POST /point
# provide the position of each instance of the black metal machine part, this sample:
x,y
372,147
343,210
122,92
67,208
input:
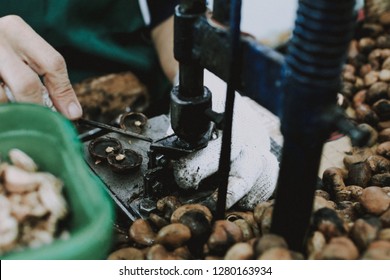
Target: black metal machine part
x,y
128,189
136,192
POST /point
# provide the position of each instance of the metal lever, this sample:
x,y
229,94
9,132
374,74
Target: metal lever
x,y
335,119
114,129
359,136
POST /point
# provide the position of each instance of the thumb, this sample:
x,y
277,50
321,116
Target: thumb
x,y
264,183
62,93
190,170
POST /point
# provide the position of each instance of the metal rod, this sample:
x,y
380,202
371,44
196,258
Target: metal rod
x,y
91,134
224,161
190,72
221,11
114,129
190,79
193,6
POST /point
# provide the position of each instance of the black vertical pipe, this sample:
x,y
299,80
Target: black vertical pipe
x,y
224,161
323,30
190,72
192,6
190,99
190,79
221,11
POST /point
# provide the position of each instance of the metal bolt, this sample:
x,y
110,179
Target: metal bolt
x,y
147,205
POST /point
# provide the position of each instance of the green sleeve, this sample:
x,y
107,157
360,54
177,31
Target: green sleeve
x,y
95,37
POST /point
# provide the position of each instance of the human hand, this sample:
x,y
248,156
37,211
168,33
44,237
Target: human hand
x,y
24,58
254,169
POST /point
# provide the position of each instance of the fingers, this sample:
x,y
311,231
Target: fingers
x,y
244,172
190,170
23,82
3,96
261,184
22,63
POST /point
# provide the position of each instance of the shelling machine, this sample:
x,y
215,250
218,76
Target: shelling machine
x,y
299,86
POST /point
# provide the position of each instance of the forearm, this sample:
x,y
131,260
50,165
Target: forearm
x,y
162,36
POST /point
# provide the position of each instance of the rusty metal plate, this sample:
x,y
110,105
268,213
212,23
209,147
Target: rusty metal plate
x,y
125,188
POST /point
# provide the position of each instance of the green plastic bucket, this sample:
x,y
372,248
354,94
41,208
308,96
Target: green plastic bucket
x,y
51,140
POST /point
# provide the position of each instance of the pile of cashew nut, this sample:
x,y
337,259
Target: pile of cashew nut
x,y
354,226
31,204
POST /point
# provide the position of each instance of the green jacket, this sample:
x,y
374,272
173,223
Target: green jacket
x,y
96,37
